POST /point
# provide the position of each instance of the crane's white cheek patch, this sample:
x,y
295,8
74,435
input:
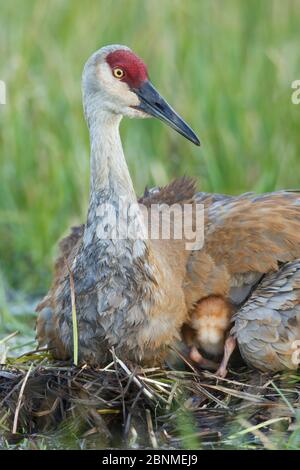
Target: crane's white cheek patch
x,y
114,87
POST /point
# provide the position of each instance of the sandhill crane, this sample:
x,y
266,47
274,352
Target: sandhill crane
x,y
135,295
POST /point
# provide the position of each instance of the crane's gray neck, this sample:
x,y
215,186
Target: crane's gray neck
x,y
109,172
110,182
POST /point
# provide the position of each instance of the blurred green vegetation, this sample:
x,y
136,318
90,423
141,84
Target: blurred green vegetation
x,y
227,67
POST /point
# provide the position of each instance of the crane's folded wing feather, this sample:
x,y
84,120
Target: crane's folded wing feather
x,y
267,326
245,237
253,233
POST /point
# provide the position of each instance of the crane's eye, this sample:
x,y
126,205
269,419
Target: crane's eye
x,y
118,73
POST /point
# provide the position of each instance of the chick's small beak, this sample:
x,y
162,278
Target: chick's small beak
x,y
152,103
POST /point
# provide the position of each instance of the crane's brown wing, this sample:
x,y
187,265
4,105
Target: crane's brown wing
x,y
251,233
267,326
245,237
179,191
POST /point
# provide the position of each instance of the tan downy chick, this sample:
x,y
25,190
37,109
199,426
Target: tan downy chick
x,y
206,330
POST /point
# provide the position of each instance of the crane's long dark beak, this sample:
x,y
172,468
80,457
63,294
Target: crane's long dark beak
x,y
152,103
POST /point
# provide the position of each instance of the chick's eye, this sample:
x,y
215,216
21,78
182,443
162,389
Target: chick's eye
x,y
118,73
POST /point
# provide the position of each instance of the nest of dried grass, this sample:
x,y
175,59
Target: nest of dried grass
x,y
125,406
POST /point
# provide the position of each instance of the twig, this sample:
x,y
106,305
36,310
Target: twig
x,y
236,393
120,384
15,424
172,395
74,315
261,436
136,381
152,436
196,374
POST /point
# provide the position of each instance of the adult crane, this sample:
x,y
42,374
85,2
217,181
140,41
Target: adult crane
x,y
134,294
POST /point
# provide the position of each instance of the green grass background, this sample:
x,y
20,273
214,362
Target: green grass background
x,y
226,66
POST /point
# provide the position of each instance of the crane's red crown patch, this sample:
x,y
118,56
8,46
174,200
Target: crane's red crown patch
x,y
135,69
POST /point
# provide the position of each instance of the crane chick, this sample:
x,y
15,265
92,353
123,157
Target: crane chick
x,y
206,329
